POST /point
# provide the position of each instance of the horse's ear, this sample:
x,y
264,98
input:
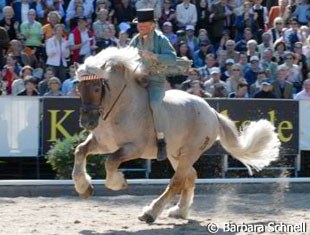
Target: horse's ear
x,y
76,66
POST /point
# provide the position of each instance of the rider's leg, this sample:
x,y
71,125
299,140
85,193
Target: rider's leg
x,y
156,94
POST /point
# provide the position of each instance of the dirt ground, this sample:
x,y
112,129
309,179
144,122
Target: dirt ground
x,y
118,214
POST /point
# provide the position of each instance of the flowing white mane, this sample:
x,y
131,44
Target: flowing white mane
x,y
129,56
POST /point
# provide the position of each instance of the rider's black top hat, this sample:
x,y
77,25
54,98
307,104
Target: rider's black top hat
x,y
144,15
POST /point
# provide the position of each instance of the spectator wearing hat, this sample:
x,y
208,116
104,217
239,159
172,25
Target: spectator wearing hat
x,y
282,88
81,41
168,32
226,71
124,12
30,87
214,85
210,62
250,74
156,51
265,91
235,78
19,83
54,86
200,54
276,32
57,50
186,14
191,39
168,14
153,4
305,93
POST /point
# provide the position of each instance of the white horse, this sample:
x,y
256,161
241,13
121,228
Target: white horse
x,y
115,108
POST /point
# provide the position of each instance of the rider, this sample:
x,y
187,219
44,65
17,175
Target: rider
x,y
156,52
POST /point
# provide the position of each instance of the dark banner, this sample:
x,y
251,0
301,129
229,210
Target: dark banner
x,y
60,119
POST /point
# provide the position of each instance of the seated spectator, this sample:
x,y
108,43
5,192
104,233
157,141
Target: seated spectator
x,y
67,85
302,12
30,87
54,86
276,32
191,40
193,75
200,54
55,5
168,32
73,23
256,87
226,71
204,71
99,26
186,14
74,90
305,33
243,62
235,79
241,91
17,50
301,59
123,39
279,51
197,89
241,45
252,48
250,74
221,58
10,72
231,52
268,65
266,44
183,50
214,85
19,83
282,88
305,93
265,91
43,85
48,29
294,71
9,23
57,51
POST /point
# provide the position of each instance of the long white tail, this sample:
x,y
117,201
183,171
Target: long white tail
x,y
255,146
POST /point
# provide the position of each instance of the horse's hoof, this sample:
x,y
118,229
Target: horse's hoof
x,y
88,192
146,218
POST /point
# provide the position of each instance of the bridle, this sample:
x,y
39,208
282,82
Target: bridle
x,y
98,107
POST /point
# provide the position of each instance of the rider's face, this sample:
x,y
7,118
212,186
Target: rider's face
x,y
145,28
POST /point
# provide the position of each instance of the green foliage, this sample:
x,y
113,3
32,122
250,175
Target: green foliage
x,y
61,158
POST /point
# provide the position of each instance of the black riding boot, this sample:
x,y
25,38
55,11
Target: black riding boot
x,y
161,150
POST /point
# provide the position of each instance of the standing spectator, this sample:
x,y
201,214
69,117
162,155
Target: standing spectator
x,y
282,10
57,51
21,9
217,18
43,85
73,22
9,23
99,27
276,31
168,32
54,86
10,72
214,85
203,15
81,41
4,44
305,93
55,5
67,85
153,4
30,87
262,17
302,12
186,14
48,29
282,88
124,12
168,14
32,32
87,6
19,83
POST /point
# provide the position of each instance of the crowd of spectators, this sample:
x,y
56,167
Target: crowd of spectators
x,y
240,49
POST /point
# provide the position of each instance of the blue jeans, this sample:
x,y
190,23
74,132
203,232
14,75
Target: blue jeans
x,y
156,90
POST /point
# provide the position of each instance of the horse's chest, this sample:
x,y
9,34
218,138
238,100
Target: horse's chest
x,y
106,138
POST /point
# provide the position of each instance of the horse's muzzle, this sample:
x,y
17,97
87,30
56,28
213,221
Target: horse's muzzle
x,y
89,120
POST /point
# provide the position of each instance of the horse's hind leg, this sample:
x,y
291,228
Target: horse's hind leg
x,y
82,181
175,186
181,210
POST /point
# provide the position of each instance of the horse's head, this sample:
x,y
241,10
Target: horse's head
x,y
110,68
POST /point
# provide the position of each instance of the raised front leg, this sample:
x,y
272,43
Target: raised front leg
x,y
115,180
82,181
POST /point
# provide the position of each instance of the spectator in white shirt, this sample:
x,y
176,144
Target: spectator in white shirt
x,y
305,93
186,14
